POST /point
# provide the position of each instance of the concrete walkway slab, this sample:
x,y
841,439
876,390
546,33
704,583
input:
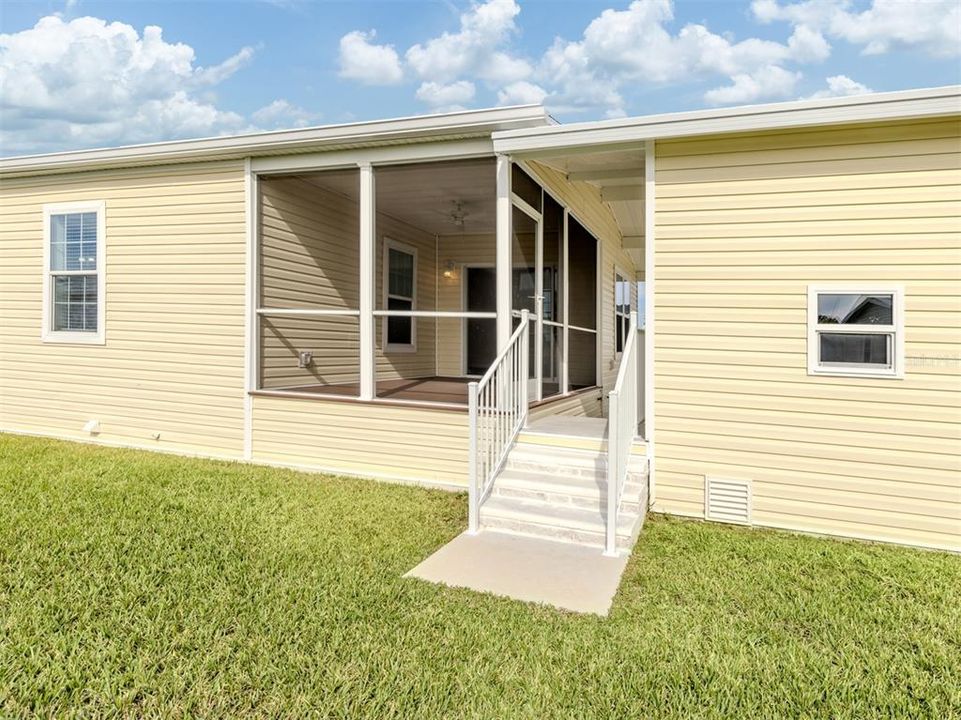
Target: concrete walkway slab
x,y
567,576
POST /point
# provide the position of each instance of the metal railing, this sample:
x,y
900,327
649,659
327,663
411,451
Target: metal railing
x,y
498,407
622,423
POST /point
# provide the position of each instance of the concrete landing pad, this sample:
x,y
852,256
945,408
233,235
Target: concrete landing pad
x,y
571,577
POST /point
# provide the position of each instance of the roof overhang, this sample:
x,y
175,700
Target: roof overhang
x,y
547,140
424,128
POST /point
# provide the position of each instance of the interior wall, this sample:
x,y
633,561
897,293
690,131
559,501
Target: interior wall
x,y
310,258
461,250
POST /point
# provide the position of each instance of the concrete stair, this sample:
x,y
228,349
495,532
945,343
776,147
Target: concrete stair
x,y
557,490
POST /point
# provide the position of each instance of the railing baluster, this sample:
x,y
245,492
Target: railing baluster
x,y
497,411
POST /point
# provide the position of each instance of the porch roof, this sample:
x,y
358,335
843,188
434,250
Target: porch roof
x,y
628,132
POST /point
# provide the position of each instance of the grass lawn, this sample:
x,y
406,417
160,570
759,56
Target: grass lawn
x,y
135,584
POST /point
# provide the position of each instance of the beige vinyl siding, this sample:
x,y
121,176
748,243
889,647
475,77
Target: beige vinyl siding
x,y
173,362
584,202
310,259
377,440
744,224
582,404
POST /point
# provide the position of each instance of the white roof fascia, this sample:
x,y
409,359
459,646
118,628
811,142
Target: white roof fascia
x,y
906,104
425,127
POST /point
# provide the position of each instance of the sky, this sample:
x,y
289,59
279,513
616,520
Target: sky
x,y
81,73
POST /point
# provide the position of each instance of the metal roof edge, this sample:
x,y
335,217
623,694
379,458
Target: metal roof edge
x,y
371,132
904,104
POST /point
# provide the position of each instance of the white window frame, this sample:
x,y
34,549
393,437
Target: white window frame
x,y
389,244
895,331
47,333
619,316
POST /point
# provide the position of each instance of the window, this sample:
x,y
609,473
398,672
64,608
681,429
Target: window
x,y
400,290
73,284
622,311
856,331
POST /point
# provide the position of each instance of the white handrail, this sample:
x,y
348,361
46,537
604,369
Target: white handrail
x,y
497,405
622,421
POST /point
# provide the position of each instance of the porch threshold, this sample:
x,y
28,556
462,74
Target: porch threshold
x,y
566,576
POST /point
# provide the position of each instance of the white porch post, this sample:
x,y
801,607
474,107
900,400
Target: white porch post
x,y
503,254
368,283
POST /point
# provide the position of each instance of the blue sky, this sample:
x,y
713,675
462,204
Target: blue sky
x,y
82,73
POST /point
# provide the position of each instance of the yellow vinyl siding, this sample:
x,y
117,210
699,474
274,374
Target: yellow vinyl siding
x,y
173,362
743,225
388,441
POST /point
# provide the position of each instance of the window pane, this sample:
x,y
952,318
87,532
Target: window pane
x,y
400,274
75,303
858,349
854,309
73,241
553,254
620,334
524,260
399,328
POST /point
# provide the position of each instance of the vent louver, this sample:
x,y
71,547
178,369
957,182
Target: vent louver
x,y
727,500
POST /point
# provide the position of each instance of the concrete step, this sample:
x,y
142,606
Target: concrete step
x,y
559,461
569,523
584,491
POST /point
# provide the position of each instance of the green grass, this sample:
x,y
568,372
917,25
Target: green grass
x,y
141,585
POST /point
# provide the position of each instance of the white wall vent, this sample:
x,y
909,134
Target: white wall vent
x,y
727,500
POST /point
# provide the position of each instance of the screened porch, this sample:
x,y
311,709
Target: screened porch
x,y
388,283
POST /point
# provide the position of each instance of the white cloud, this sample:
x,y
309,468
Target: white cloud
x,y
625,47
283,114
840,86
767,82
446,97
933,26
88,82
521,93
475,49
368,63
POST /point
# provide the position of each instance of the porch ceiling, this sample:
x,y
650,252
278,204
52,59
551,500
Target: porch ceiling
x,y
441,198
619,176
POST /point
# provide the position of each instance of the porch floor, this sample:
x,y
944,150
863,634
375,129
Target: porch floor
x,y
447,390
567,576
450,390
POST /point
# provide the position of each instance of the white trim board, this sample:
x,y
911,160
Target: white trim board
x,y
429,128
593,136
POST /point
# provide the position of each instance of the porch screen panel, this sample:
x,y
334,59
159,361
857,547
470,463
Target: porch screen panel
x,y
309,333
554,296
523,272
582,306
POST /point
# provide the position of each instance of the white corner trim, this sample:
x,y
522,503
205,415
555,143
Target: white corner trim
x,y
251,320
47,333
650,196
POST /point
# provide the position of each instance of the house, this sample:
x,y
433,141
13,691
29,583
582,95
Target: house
x,y
452,300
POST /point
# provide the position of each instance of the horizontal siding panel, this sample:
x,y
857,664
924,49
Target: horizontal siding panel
x,y
880,440
717,455
173,362
744,224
